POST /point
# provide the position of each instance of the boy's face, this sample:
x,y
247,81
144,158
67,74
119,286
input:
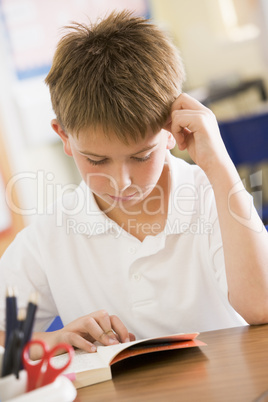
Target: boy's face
x,y
119,175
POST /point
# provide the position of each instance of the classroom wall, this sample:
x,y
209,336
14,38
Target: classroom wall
x,y
198,30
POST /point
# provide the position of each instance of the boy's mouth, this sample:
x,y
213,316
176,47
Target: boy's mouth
x,y
123,198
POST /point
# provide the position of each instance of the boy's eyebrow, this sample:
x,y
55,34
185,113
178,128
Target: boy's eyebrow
x,y
104,156
145,149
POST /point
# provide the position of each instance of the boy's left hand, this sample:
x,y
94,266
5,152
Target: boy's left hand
x,y
195,128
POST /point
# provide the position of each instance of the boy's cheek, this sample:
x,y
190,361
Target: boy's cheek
x,y
97,184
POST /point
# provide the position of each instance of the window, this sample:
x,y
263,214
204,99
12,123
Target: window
x,y
238,19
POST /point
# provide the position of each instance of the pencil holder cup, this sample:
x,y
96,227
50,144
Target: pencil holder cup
x,y
14,390
11,387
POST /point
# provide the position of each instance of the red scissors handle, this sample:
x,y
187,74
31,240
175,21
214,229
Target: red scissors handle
x,y
33,368
42,372
51,372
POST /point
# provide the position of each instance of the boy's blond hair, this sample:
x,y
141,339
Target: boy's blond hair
x,y
121,74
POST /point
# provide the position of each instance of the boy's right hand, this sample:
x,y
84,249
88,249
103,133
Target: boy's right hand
x,y
82,332
98,326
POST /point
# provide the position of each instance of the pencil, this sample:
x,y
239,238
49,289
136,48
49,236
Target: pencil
x,y
11,313
17,348
19,343
11,325
10,352
21,318
29,320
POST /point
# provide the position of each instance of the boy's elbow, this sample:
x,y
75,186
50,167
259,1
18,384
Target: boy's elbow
x,y
257,319
254,314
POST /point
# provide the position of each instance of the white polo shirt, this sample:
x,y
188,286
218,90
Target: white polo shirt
x,y
80,261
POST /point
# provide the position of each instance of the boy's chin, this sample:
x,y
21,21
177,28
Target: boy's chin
x,y
107,203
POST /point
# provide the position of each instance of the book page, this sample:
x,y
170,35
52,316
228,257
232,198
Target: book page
x,y
82,361
107,353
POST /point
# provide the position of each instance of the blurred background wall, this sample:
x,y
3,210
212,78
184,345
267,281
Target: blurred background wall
x,y
224,47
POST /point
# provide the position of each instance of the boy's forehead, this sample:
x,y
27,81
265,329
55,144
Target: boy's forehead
x,y
89,139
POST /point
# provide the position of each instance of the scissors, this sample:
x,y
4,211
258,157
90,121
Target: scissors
x,y
42,372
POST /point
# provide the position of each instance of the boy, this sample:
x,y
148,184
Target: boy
x,y
147,244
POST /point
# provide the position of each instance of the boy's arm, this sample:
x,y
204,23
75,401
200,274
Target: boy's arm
x,y
245,240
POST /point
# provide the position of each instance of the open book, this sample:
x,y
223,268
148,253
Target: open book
x,y
91,368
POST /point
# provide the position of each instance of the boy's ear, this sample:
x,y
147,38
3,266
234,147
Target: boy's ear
x,y
64,137
171,142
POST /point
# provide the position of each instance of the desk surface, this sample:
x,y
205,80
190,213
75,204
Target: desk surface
x,y
232,367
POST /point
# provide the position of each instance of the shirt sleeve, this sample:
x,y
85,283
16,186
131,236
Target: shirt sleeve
x,y
21,267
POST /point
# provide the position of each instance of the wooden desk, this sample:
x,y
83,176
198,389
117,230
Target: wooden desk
x,y
232,367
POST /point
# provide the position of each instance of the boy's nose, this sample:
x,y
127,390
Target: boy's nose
x,y
122,178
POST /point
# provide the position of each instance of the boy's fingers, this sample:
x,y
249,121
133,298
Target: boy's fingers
x,y
188,122
184,104
97,332
185,101
132,337
182,122
79,342
103,319
98,326
120,329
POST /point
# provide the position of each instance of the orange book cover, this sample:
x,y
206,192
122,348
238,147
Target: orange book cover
x,y
151,346
91,368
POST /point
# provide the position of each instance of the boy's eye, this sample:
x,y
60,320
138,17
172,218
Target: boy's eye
x,y
95,163
143,159
105,160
